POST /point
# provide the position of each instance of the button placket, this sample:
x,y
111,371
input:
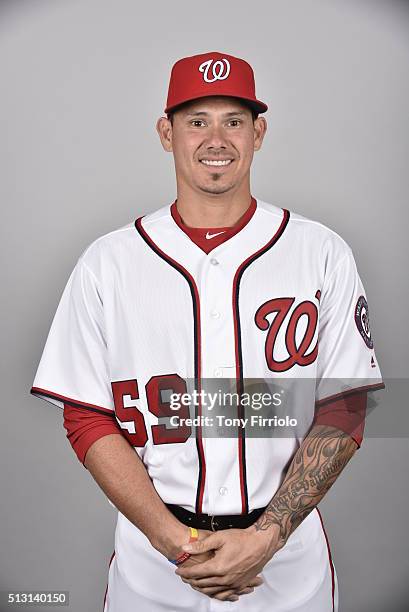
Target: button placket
x,y
218,361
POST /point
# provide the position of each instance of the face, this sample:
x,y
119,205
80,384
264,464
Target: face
x,y
213,142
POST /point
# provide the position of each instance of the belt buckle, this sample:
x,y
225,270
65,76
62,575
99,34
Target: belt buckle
x,y
213,523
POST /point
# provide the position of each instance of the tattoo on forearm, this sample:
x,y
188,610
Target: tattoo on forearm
x,y
316,465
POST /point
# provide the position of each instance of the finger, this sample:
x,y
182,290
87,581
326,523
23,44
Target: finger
x,y
212,542
206,583
222,595
249,588
205,532
245,591
201,570
227,596
222,589
220,581
211,591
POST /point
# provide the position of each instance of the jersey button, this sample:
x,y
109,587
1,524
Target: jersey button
x,y
214,262
215,314
223,490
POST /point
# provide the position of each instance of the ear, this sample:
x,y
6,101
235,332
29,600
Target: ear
x,y
164,129
260,128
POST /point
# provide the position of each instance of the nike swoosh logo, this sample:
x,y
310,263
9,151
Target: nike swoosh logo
x,y
208,235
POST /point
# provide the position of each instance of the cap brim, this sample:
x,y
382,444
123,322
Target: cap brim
x,y
256,105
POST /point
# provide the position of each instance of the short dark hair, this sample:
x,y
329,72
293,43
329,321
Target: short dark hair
x,y
254,113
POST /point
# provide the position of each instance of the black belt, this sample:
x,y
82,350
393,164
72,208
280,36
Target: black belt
x,y
215,523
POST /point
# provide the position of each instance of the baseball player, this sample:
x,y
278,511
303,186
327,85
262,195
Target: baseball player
x,y
218,285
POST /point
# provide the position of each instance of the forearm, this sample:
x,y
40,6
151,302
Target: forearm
x,y
316,465
120,473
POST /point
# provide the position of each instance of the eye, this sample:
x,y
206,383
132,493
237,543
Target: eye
x,y
235,122
197,123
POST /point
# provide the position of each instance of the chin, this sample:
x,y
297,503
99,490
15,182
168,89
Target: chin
x,y
216,188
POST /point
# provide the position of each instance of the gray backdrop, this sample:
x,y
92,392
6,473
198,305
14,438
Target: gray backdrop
x,y
82,84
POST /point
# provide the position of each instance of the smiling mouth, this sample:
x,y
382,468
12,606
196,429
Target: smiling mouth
x,y
216,162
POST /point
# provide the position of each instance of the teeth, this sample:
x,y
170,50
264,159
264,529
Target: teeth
x,y
219,162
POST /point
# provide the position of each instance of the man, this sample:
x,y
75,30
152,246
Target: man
x,y
216,286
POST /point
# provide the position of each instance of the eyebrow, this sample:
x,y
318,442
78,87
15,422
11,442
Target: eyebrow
x,y
205,114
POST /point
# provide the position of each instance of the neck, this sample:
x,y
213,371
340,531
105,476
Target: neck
x,y
212,210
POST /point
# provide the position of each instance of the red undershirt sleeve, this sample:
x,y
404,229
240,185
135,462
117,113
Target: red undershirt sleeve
x,y
84,427
346,413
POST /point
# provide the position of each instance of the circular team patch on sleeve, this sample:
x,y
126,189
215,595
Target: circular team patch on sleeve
x,y
362,321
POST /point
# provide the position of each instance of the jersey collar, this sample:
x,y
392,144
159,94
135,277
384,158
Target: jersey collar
x,y
208,238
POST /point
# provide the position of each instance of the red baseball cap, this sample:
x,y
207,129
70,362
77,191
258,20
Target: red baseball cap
x,y
212,74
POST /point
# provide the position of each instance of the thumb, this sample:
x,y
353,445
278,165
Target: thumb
x,y
212,542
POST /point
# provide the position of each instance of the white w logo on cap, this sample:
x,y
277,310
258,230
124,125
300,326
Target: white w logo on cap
x,y
220,70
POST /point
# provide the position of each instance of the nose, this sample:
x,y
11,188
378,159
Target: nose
x,y
216,138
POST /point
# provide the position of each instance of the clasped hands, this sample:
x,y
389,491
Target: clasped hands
x,y
226,564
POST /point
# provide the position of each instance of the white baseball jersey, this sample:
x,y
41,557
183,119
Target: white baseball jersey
x,y
146,310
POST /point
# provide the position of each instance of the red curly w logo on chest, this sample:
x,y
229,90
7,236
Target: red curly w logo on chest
x,y
302,354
